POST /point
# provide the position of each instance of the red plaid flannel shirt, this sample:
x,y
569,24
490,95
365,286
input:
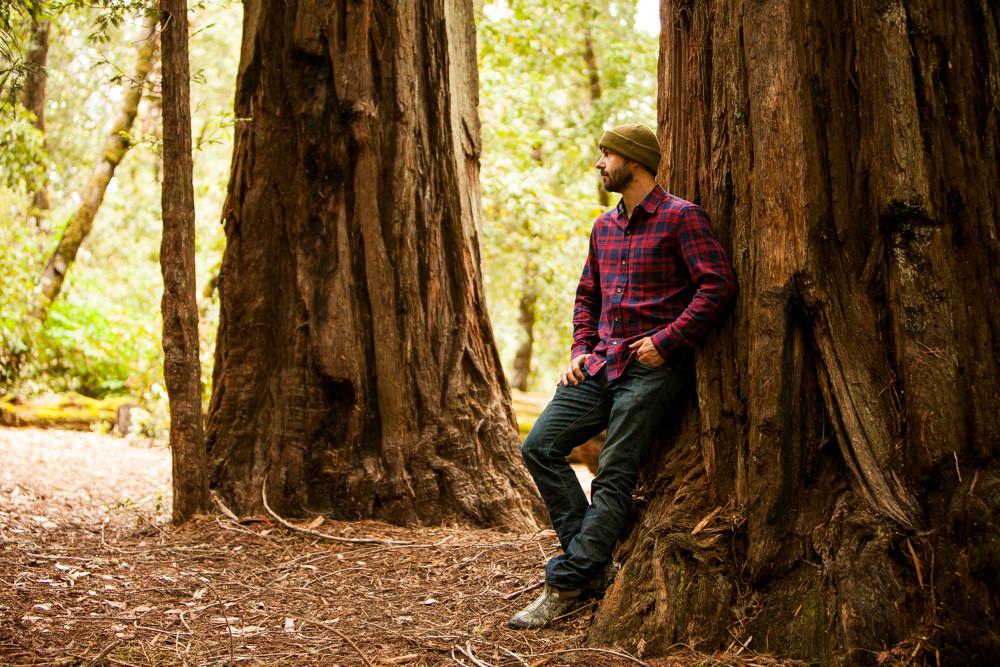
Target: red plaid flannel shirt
x,y
661,274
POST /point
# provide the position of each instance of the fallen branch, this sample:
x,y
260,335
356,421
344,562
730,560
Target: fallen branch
x,y
324,536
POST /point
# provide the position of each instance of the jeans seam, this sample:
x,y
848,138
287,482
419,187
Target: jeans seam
x,y
571,425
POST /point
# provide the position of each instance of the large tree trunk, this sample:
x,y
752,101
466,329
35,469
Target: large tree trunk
x,y
355,369
181,363
35,79
847,416
115,146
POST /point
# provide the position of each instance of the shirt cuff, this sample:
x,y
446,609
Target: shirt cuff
x,y
577,350
667,340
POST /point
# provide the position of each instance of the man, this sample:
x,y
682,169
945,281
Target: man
x,y
655,283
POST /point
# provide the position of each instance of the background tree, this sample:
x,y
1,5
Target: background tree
x,y
102,335
846,424
181,365
355,369
34,98
113,150
544,71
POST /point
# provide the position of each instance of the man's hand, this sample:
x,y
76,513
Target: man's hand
x,y
574,374
646,352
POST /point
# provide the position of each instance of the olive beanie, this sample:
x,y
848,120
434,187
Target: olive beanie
x,y
635,142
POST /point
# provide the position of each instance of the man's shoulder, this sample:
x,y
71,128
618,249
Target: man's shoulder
x,y
674,204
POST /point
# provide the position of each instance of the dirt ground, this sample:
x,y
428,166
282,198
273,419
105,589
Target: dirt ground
x,y
91,573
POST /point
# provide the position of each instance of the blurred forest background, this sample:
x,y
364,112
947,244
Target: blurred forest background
x,y
552,76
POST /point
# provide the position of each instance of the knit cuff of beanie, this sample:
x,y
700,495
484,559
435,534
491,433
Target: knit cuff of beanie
x,y
635,142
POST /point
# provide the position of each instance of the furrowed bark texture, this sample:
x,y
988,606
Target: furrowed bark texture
x,y
847,417
115,146
355,368
181,363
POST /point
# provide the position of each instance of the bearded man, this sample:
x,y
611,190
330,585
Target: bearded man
x,y
655,283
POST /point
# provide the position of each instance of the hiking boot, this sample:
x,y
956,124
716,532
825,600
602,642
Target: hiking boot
x,y
603,581
550,605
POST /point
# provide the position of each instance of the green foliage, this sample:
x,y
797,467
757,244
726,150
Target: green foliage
x,y
102,335
23,159
540,131
18,266
16,17
95,347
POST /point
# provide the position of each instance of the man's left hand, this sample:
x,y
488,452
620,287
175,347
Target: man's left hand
x,y
646,352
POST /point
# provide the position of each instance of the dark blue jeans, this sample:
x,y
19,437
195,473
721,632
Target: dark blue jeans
x,y
632,409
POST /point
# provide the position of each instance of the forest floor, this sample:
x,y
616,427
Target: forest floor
x,y
92,573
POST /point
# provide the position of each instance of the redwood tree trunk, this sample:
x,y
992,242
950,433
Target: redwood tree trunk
x,y
355,369
848,416
181,363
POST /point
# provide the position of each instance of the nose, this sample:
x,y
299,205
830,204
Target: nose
x,y
599,163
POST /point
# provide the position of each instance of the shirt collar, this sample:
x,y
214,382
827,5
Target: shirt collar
x,y
649,203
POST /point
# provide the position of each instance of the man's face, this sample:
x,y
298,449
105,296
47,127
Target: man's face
x,y
616,172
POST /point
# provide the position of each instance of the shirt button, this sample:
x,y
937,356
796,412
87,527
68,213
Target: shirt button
x,y
619,290
617,319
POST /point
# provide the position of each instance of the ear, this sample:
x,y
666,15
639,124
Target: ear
x,y
636,168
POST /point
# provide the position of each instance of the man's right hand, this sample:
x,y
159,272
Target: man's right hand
x,y
574,374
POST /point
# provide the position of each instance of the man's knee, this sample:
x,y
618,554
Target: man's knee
x,y
533,447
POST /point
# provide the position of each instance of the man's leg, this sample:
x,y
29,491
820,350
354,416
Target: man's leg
x,y
640,400
575,414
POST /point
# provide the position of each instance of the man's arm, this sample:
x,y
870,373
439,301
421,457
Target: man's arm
x,y
587,310
716,285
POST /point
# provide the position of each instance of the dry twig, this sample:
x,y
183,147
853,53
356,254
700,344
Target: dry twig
x,y
620,654
522,591
338,633
325,536
222,506
100,656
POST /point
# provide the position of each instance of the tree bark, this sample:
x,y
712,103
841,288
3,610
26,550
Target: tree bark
x,y
846,418
355,369
181,363
115,146
35,79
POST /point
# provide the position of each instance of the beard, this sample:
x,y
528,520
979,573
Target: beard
x,y
617,180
